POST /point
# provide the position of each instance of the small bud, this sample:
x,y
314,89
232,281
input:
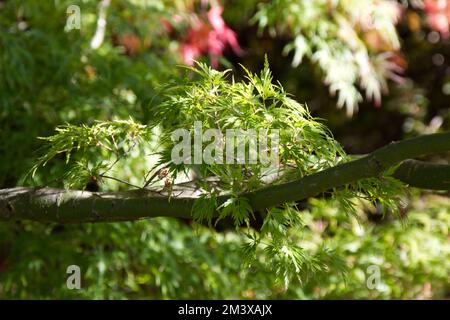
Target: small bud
x,y
167,183
163,173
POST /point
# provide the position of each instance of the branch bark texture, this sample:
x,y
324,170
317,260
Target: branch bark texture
x,y
73,206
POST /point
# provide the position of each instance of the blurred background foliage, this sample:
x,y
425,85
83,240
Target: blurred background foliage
x,y
375,71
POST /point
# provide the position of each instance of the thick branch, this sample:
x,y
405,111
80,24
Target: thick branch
x,y
53,205
424,175
57,205
371,165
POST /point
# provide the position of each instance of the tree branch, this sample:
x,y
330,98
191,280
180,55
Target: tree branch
x,y
99,35
369,166
424,175
54,205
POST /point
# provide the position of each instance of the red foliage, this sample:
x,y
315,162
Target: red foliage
x,y
206,35
438,16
